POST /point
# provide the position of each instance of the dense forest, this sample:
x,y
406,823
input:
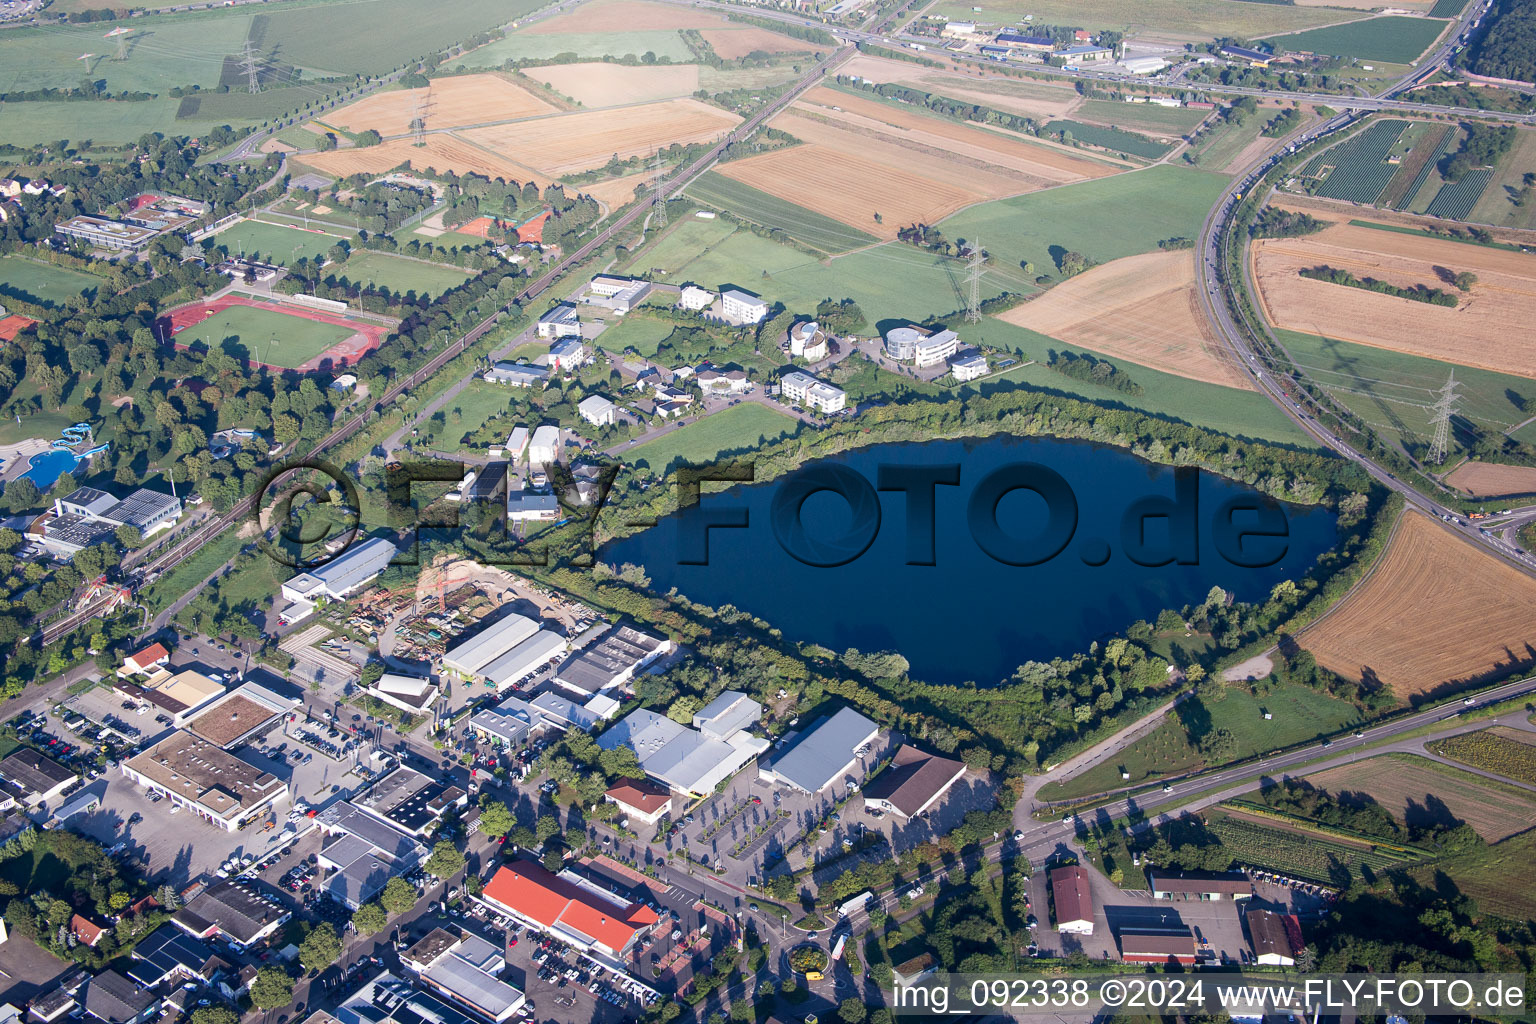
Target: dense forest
x,y
1508,46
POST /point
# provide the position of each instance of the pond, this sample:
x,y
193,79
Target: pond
x,y
992,594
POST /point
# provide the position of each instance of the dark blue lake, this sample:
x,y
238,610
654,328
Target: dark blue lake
x,y
968,616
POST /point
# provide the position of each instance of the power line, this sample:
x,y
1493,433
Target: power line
x,y
249,62
419,122
1445,408
659,191
973,271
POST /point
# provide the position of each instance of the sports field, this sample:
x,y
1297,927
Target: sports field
x,y
1104,220
399,273
738,427
1391,390
273,242
263,336
1395,39
43,283
805,226
1174,20
1423,617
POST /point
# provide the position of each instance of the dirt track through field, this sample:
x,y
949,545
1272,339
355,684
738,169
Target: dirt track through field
x,y
1411,793
1434,610
1143,309
583,140
1489,328
457,101
1490,479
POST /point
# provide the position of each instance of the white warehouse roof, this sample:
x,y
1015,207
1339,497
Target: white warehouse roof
x,y
824,752
470,656
680,757
524,658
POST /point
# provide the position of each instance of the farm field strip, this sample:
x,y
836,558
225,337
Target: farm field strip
x,y
1416,168
1407,787
1171,20
1455,199
1115,140
1298,854
456,101
1033,99
731,43
600,84
626,16
1502,751
1391,38
769,211
1359,171
442,152
1422,618
1496,205
1491,479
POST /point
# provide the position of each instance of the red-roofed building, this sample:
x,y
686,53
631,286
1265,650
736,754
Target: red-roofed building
x,y
145,660
86,931
532,230
641,799
569,907
1082,35
12,325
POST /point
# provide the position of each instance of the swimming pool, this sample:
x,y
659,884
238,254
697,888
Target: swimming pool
x,y
44,470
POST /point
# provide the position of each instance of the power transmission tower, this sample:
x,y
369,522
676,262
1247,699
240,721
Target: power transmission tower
x,y
659,191
419,122
1444,409
120,36
250,63
973,270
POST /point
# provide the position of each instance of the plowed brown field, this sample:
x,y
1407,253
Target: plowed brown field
x,y
1489,328
731,43
1490,479
1143,309
1436,609
586,139
459,101
599,84
1409,788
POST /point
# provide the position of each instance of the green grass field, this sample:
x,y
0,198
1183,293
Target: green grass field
x,y
737,427
525,46
1105,219
43,283
1396,39
105,123
274,242
298,340
1391,391
752,204
1300,714
1495,205
1112,139
400,274
636,332
1485,875
466,413
1221,145
1161,19
1141,116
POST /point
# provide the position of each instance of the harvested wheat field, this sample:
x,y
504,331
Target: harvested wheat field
x,y
1338,211
1424,615
906,167
617,192
1492,480
600,84
586,139
1487,329
1032,99
625,16
1413,790
458,101
731,43
1143,309
442,152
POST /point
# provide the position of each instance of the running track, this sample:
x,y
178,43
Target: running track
x,y
365,337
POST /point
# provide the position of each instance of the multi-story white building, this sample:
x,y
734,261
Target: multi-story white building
x,y
560,322
920,346
568,354
742,307
803,389
968,365
598,411
695,298
617,294
808,341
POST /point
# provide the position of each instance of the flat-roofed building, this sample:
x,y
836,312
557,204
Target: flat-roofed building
x,y
567,354
545,446
358,566
242,910
526,658
506,725
413,694
968,365
1157,946
616,294
570,907
517,444
824,752
113,999
517,375
726,715
674,755
598,411
469,656
241,716
564,713
206,780
920,346
743,307
180,695
693,298
523,507
912,783
363,851
1201,885
387,999
34,779
1276,938
106,234
410,801
559,322
1072,892
612,662
463,968
803,389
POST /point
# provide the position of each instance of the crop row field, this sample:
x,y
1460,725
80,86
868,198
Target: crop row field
x,y
1040,100
1421,793
1395,39
1455,199
1500,750
1492,479
1297,853
455,102
1416,167
805,226
1115,140
1358,170
1486,329
1422,619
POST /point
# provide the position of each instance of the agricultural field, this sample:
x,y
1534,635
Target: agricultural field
x,y
1397,40
522,46
272,242
1225,144
1421,793
1178,21
736,428
616,192
1031,98
1104,220
733,43
1492,480
805,226
1455,199
1140,308
1143,117
599,84
442,151
623,16
582,140
1422,619
1391,391
1297,852
1496,204
1485,329
1416,166
456,102
266,336
43,283
1300,715
399,273
1485,876
874,158
1500,750
1112,139
1359,169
